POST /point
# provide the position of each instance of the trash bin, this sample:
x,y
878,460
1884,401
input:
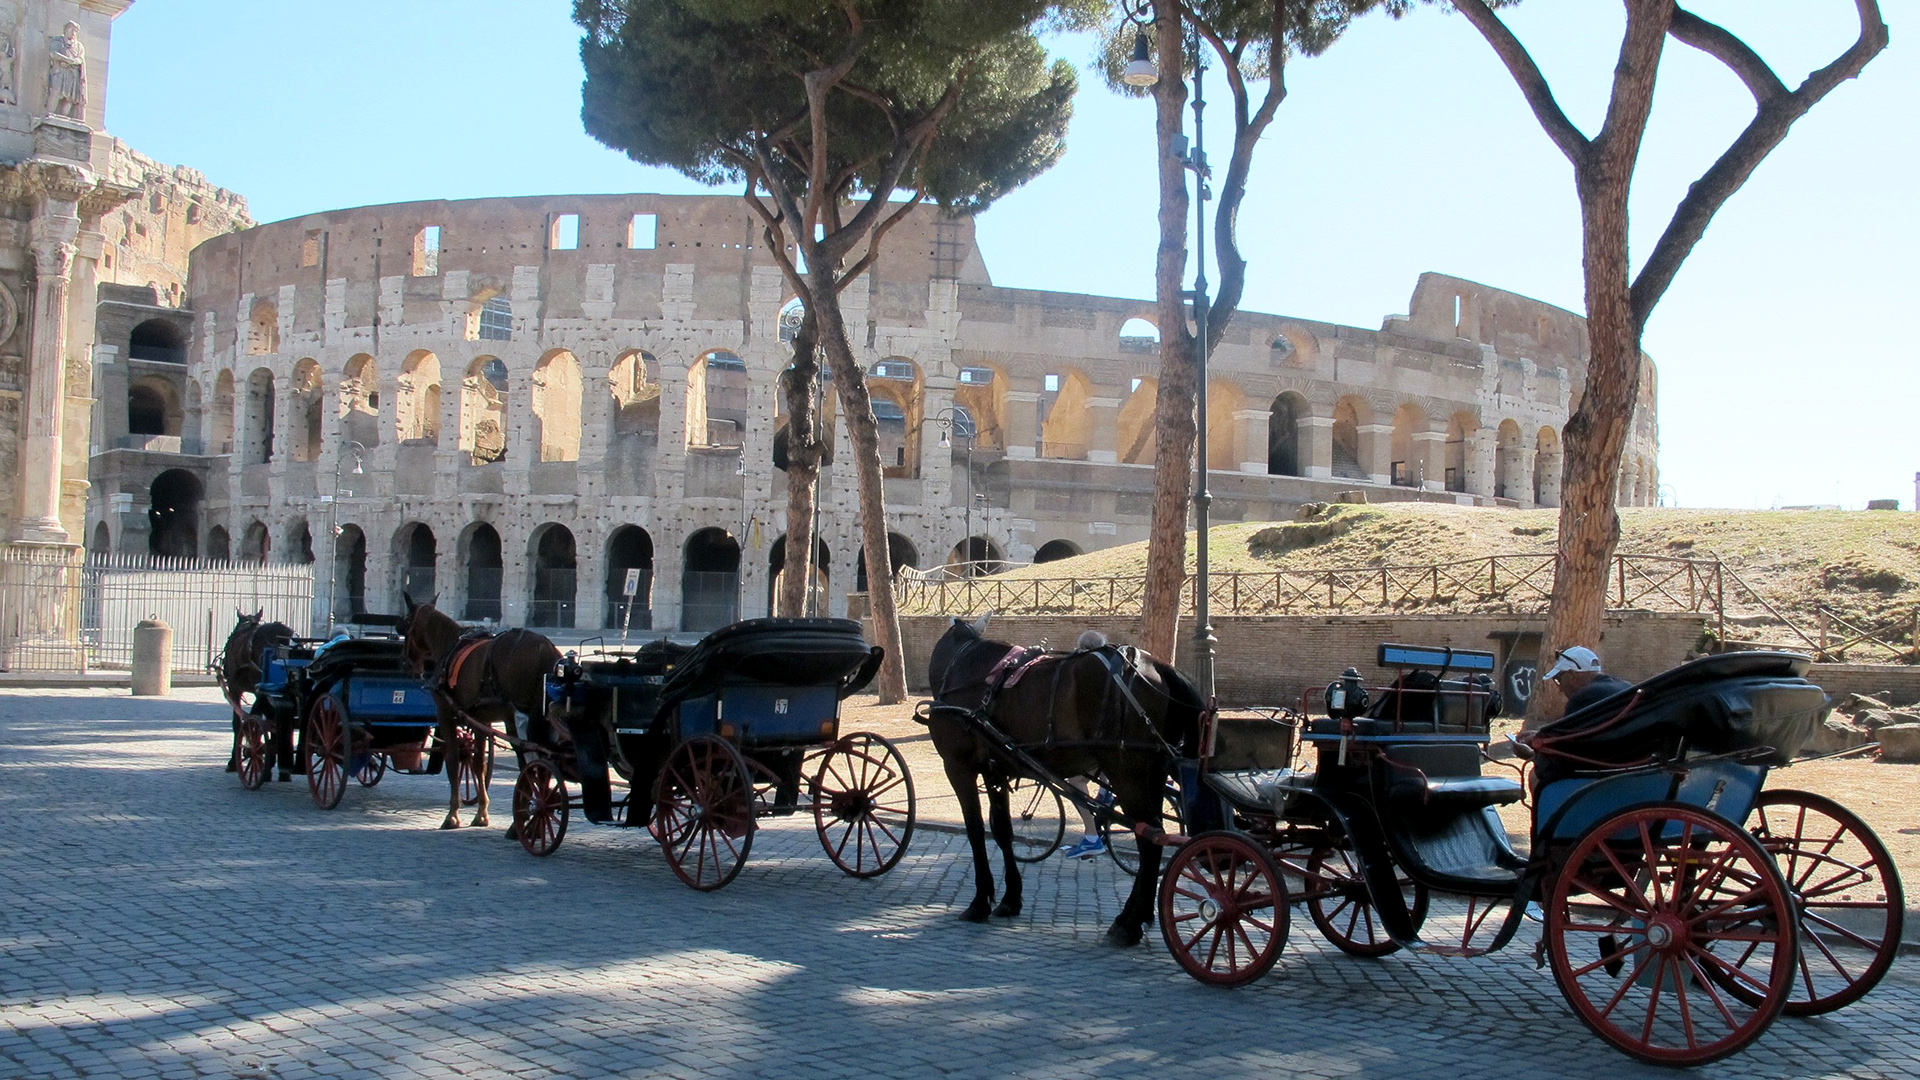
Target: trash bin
x,y
152,659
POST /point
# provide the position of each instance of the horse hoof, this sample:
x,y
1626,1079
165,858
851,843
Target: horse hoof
x,y
1008,909
286,778
231,767
976,912
1125,937
450,823
481,822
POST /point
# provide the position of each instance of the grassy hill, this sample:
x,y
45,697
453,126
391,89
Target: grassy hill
x,y
1864,565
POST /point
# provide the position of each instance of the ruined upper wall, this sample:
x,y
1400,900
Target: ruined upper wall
x,y
150,236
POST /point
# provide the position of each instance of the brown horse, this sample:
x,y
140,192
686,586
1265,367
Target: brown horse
x,y
242,662
477,677
1099,709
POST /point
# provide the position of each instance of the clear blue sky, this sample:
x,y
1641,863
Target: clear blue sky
x,y
1788,374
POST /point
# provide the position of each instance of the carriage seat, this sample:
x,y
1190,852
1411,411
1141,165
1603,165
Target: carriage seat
x,y
1443,775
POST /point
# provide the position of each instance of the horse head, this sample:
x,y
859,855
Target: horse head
x,y
428,633
960,639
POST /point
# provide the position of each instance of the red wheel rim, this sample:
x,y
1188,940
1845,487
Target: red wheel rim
x,y
863,805
326,753
254,766
372,768
1640,921
1223,909
539,808
474,756
705,812
1342,909
1844,882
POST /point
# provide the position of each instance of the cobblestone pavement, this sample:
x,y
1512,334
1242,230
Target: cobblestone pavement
x,y
156,920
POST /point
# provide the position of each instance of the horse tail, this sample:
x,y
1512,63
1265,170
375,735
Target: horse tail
x,y
1184,707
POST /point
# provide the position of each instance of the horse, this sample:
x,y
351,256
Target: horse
x,y
1099,709
476,678
242,663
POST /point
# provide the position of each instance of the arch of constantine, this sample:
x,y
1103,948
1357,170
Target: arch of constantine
x,y
512,403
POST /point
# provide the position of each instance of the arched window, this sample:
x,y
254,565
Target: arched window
x,y
983,393
1139,335
307,411
555,571
217,545
416,410
975,556
157,339
349,574
900,552
716,400
1460,431
1067,426
629,559
300,543
360,402
153,407
634,382
483,574
822,574
1055,550
255,543
1349,463
895,387
483,410
1224,403
173,514
263,329
1285,456
556,406
417,554
1133,442
1507,461
1546,469
1408,466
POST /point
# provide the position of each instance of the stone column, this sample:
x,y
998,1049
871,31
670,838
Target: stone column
x,y
1376,452
1481,446
1250,428
1522,479
1430,460
1103,430
1023,423
53,231
937,472
1317,463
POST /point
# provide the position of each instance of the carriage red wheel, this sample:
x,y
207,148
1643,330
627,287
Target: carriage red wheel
x,y
372,768
862,799
475,763
1340,905
1641,919
1223,909
254,761
1847,889
704,812
539,807
326,746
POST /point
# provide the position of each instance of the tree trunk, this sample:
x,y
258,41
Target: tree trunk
x,y
865,435
803,472
1173,413
1595,436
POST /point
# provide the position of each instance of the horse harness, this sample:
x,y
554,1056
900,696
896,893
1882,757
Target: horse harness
x,y
1120,662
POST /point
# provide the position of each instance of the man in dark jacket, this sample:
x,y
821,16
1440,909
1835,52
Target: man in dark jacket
x,y
1576,671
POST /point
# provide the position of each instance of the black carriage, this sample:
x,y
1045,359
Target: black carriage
x,y
710,738
1681,906
360,711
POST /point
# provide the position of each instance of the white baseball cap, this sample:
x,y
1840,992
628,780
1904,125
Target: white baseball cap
x,y
1577,658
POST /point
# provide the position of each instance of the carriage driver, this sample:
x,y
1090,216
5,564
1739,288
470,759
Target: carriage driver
x,y
1576,671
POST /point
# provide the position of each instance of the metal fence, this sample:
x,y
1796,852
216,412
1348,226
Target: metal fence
x,y
61,614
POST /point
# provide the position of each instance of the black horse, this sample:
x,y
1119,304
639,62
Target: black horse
x,y
1099,709
242,663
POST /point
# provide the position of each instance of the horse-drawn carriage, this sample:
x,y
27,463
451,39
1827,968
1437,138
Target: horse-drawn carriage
x,y
1680,906
709,738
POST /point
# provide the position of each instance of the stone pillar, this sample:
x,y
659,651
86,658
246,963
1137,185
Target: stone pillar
x,y
1103,430
589,573
667,550
937,473
1481,446
1023,423
53,231
1430,460
1250,429
515,571
1549,465
1522,479
1376,452
1317,463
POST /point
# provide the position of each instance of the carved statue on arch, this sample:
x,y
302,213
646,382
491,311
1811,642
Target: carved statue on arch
x,y
67,74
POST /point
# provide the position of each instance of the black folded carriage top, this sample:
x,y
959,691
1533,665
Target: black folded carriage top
x,y
341,655
783,652
1720,704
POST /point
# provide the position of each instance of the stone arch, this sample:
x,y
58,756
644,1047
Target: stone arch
x,y
153,406
259,418
1286,449
307,414
173,514
1507,460
1352,457
1224,399
897,390
1139,334
300,542
416,409
102,542
556,406
416,555
1407,460
157,339
256,543
483,410
263,328
220,426
1067,426
349,592
481,555
489,316
717,399
360,401
900,553
1461,429
219,548
1055,550
822,573
709,580
554,587
976,556
1546,467
634,438
629,548
1134,435
981,389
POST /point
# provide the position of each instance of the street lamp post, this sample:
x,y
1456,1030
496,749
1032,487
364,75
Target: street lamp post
x,y
333,526
949,421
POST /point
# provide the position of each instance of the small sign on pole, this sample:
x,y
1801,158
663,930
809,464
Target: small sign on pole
x,y
632,586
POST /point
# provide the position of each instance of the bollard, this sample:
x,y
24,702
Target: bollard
x,y
152,659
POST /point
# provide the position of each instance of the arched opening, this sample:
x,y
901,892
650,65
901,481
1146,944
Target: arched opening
x,y
1349,463
360,402
822,573
716,400
300,543
218,547
1225,401
900,552
556,406
630,579
259,430
255,542
417,554
982,391
975,556
153,407
220,427
490,318
102,542
349,574
1067,427
484,570
158,339
263,329
307,413
1407,467
709,580
1139,335
895,387
1546,468
1133,441
483,410
1285,456
416,409
555,577
173,514
1460,431
1506,461
1055,550
634,443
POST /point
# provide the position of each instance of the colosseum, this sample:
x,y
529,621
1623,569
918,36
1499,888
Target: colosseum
x,y
562,411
